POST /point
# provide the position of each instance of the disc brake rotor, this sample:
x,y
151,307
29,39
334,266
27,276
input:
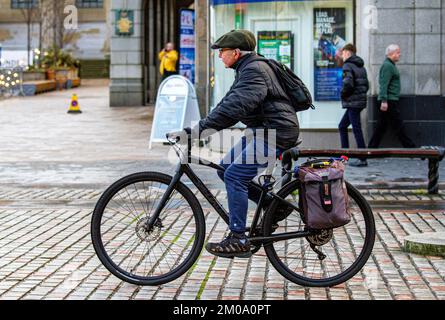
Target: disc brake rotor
x,y
148,235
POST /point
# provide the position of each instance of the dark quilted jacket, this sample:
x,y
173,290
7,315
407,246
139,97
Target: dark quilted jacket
x,y
257,100
355,83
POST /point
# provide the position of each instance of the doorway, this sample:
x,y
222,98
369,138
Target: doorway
x,y
160,25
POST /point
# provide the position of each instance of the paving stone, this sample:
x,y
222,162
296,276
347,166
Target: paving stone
x,y
47,196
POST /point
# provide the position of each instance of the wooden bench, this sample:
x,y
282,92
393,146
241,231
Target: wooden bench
x,y
73,83
76,82
434,155
31,88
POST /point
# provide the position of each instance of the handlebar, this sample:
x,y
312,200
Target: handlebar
x,y
176,137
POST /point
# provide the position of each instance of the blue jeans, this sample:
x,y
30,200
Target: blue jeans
x,y
243,163
352,116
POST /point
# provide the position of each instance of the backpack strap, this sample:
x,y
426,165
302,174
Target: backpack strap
x,y
259,57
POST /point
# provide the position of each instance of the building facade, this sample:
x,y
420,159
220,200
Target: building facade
x,y
418,27
43,22
305,35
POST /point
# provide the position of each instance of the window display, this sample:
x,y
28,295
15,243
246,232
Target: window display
x,y
304,35
276,45
330,33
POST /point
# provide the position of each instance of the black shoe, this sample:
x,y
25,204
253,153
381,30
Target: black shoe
x,y
234,246
358,163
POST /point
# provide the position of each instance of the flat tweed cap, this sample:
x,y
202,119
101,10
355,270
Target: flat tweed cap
x,y
236,39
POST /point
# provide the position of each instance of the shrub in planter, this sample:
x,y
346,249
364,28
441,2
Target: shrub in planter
x,y
59,62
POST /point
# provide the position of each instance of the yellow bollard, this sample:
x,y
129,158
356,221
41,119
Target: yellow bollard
x,y
74,105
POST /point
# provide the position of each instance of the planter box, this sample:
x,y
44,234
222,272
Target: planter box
x,y
72,83
50,75
34,76
73,74
61,78
62,74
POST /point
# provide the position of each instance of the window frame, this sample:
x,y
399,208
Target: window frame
x,y
89,4
24,4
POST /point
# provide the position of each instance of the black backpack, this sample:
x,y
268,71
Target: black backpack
x,y
298,94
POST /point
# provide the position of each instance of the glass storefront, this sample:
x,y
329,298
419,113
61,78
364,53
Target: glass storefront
x,y
305,35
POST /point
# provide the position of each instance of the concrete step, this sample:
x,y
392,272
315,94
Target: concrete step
x,y
427,244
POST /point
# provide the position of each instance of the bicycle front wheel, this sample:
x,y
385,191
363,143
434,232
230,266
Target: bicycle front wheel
x,y
133,253
346,250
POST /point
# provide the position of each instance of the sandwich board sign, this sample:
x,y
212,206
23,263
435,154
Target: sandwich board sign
x,y
176,108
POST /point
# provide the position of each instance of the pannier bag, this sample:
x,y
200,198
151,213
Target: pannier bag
x,y
324,197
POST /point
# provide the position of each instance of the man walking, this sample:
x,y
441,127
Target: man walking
x,y
256,99
354,99
389,113
169,58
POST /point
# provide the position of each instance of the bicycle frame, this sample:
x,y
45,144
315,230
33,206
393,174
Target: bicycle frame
x,y
185,169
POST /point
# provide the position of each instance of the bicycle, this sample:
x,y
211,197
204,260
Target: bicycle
x,y
149,228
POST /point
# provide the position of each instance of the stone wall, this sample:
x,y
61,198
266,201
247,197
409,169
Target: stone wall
x,y
126,88
202,55
442,40
417,26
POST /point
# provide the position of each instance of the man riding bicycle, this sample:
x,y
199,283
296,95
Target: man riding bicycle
x,y
256,99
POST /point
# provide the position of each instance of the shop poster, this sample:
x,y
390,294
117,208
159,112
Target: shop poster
x,y
187,45
276,45
329,36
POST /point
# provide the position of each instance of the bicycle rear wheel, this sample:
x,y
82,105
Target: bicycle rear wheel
x,y
140,256
347,249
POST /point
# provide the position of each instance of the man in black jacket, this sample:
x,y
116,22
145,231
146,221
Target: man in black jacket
x,y
257,100
354,99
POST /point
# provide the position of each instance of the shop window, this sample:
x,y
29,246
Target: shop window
x,y
24,4
89,3
305,35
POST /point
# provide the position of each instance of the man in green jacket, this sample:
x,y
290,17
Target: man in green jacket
x,y
389,113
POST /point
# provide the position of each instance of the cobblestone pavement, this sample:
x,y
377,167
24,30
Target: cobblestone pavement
x,y
54,166
46,253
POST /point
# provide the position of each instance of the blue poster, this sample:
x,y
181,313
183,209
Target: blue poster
x,y
328,84
187,45
329,38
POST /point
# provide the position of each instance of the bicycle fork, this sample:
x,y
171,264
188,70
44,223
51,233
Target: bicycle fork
x,y
165,198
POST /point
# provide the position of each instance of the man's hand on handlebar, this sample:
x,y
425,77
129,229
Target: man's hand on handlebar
x,y
179,135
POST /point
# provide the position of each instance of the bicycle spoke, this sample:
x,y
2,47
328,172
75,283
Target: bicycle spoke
x,y
341,248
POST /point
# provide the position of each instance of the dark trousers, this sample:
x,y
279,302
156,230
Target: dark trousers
x,y
168,74
242,165
352,116
393,119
